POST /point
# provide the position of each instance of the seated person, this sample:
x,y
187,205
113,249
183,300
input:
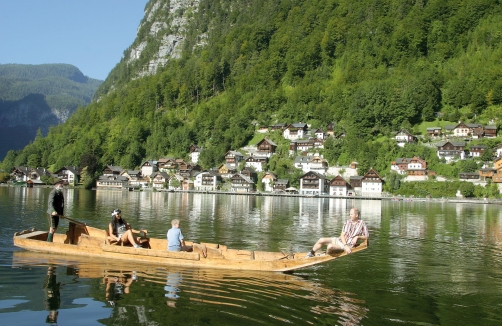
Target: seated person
x,y
353,232
175,239
119,230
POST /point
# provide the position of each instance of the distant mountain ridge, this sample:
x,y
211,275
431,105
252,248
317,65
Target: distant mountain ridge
x,y
38,96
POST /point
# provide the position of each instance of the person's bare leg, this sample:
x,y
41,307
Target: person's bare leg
x,y
322,241
129,237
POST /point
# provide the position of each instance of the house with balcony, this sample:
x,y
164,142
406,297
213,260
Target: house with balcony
x,y
111,182
188,170
314,163
226,170
233,158
35,176
70,175
356,183
487,173
403,137
372,184
111,170
490,131
451,150
434,132
242,183
305,145
295,131
477,150
250,173
266,147
338,186
281,185
278,126
159,179
134,177
20,173
207,181
256,162
462,129
313,183
168,165
409,166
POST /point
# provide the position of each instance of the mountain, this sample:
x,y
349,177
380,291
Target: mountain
x,y
36,97
207,72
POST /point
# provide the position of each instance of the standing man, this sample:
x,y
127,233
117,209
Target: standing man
x,y
55,209
353,231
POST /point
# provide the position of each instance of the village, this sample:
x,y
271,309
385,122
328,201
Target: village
x,y
244,170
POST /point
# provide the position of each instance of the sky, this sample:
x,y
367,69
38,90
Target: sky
x,y
89,34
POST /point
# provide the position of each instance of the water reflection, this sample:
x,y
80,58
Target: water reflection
x,y
51,295
117,284
172,288
244,295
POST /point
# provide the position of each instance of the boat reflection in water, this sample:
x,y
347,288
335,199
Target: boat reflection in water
x,y
137,292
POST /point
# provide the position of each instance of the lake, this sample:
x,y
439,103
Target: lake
x,y
427,264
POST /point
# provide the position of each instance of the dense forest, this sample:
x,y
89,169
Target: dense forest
x,y
370,66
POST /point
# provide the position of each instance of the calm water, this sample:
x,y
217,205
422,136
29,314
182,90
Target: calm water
x,y
428,264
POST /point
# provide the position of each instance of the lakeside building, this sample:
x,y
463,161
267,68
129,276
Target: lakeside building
x,y
313,183
338,186
70,175
207,181
371,184
242,183
268,180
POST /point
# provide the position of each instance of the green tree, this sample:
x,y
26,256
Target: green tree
x,y
467,189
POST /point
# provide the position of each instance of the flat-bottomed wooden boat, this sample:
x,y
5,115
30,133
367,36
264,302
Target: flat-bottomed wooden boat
x,y
84,240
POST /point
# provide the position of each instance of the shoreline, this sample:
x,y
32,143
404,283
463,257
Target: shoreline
x,y
390,198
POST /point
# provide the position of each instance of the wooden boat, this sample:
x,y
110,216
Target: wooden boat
x,y
84,240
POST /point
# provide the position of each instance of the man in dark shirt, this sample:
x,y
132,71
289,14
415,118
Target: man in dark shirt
x,y
55,209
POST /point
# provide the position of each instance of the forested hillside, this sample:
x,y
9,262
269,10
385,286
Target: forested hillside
x,y
370,66
38,96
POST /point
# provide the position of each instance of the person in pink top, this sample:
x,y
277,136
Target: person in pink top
x,y
353,231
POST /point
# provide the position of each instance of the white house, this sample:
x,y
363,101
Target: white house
x,y
256,162
403,137
268,180
295,131
372,184
338,186
195,153
207,181
149,167
312,183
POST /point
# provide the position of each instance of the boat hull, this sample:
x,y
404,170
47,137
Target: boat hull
x,y
91,242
